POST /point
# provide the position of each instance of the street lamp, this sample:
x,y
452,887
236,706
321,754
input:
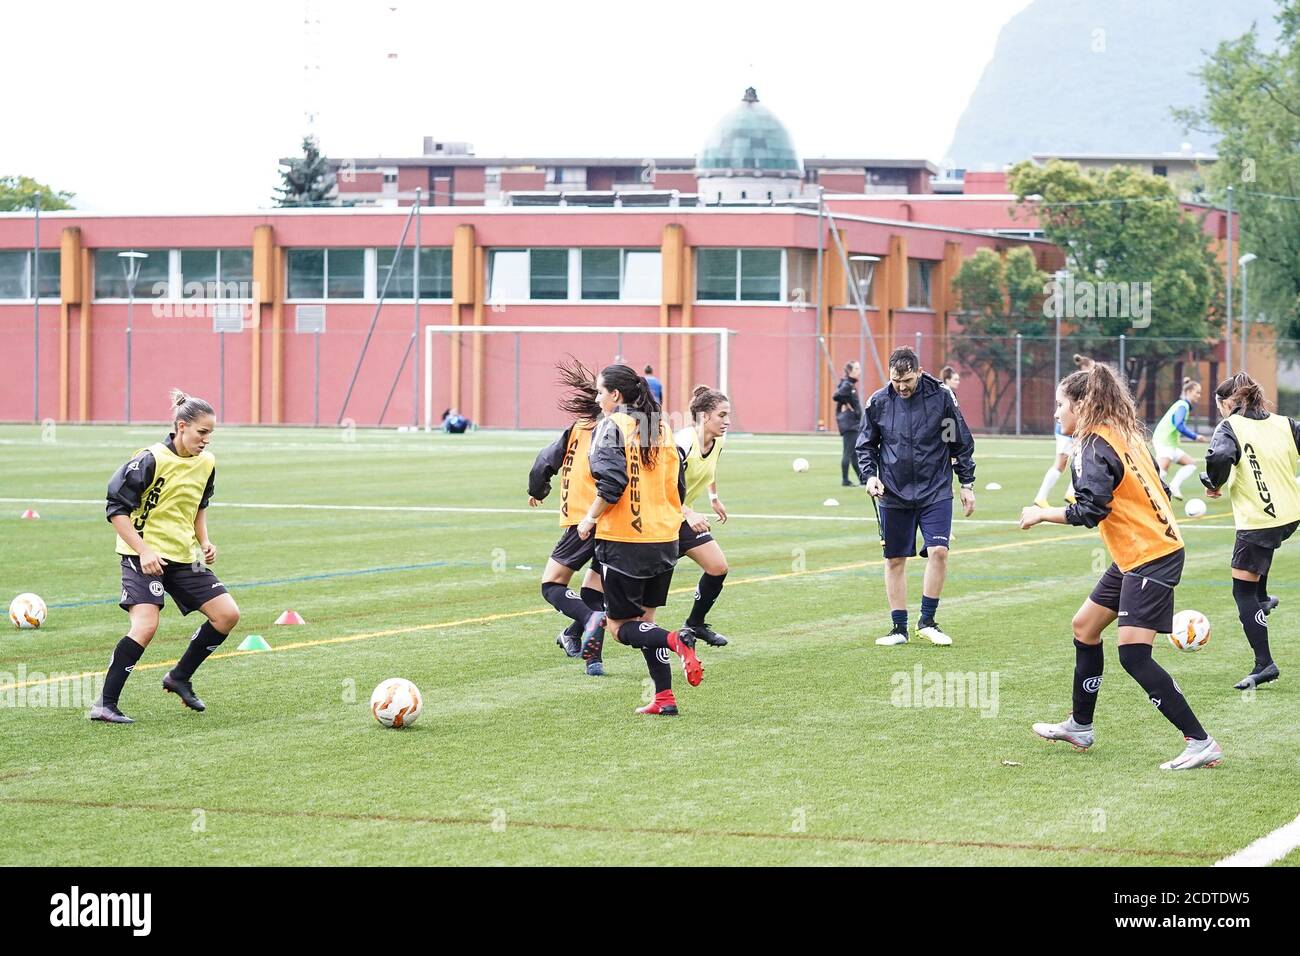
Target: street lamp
x,y
1244,261
131,270
1061,276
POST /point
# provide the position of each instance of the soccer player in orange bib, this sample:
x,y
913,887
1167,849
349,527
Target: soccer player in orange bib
x,y
1119,491
568,457
636,517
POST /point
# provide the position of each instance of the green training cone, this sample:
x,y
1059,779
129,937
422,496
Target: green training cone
x,y
255,642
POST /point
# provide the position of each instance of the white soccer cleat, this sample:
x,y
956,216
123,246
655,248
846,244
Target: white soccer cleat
x,y
1199,753
933,634
1075,734
897,635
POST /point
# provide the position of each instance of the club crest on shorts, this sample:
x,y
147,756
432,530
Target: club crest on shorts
x,y
156,588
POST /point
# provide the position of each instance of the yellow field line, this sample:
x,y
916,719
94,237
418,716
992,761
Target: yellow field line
x,y
489,618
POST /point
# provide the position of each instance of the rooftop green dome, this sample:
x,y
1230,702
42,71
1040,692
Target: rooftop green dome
x,y
749,140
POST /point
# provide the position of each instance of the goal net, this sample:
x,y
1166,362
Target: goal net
x,y
504,376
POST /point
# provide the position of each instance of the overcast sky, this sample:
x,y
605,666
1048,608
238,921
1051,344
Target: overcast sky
x,y
183,106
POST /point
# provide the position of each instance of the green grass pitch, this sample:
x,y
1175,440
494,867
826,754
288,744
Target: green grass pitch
x,y
798,748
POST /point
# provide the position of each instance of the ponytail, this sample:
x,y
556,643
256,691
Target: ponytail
x,y
1102,398
187,408
1243,393
1189,384
581,382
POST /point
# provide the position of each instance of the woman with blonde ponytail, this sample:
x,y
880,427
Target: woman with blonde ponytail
x,y
157,504
1265,503
1119,492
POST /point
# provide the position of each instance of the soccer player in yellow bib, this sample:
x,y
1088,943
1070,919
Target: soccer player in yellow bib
x,y
569,457
700,446
1119,492
157,503
635,517
1253,456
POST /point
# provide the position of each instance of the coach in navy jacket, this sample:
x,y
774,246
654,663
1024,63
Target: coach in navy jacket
x,y
913,437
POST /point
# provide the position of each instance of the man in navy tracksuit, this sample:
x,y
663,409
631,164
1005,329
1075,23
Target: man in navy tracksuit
x,y
911,438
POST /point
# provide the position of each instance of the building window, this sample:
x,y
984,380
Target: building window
x,y
508,275
643,275
548,273
738,275
326,274
801,276
918,283
17,274
600,273
1160,170
760,275
435,273
390,179
152,281
216,273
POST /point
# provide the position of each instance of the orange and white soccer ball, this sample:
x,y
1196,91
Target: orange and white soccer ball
x,y
396,703
1191,631
27,611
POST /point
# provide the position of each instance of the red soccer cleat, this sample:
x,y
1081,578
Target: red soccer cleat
x,y
683,643
664,704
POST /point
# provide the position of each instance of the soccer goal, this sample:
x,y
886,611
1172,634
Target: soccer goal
x,y
503,376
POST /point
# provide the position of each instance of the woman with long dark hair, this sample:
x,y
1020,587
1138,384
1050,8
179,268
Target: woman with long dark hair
x,y
569,457
1119,491
1264,448
636,517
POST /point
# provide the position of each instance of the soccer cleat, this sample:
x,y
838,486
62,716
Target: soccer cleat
x,y
663,705
1042,503
571,644
1255,678
897,635
109,714
706,634
931,631
596,668
1073,733
1270,605
685,649
1199,753
183,690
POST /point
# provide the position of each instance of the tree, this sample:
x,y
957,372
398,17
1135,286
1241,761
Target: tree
x,y
307,181
997,300
1252,99
20,192
1140,265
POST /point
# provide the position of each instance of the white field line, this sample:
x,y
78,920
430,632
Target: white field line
x,y
454,509
1267,849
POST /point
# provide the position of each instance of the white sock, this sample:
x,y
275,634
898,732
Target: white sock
x,y
1049,482
1176,486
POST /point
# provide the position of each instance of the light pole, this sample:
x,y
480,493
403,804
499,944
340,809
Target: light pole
x,y
131,270
1061,276
1244,261
864,280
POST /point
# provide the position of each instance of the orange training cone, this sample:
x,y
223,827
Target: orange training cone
x,y
290,617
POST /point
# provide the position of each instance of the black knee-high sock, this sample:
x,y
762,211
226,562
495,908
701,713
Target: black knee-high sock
x,y
593,599
661,672
642,634
125,656
1161,689
203,642
1253,620
706,593
564,600
1088,664
1261,587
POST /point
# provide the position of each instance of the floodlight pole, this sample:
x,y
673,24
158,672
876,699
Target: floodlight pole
x,y
1061,276
1227,329
415,333
36,316
1244,262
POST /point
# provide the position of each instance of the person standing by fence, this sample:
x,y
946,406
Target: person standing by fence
x,y
848,418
